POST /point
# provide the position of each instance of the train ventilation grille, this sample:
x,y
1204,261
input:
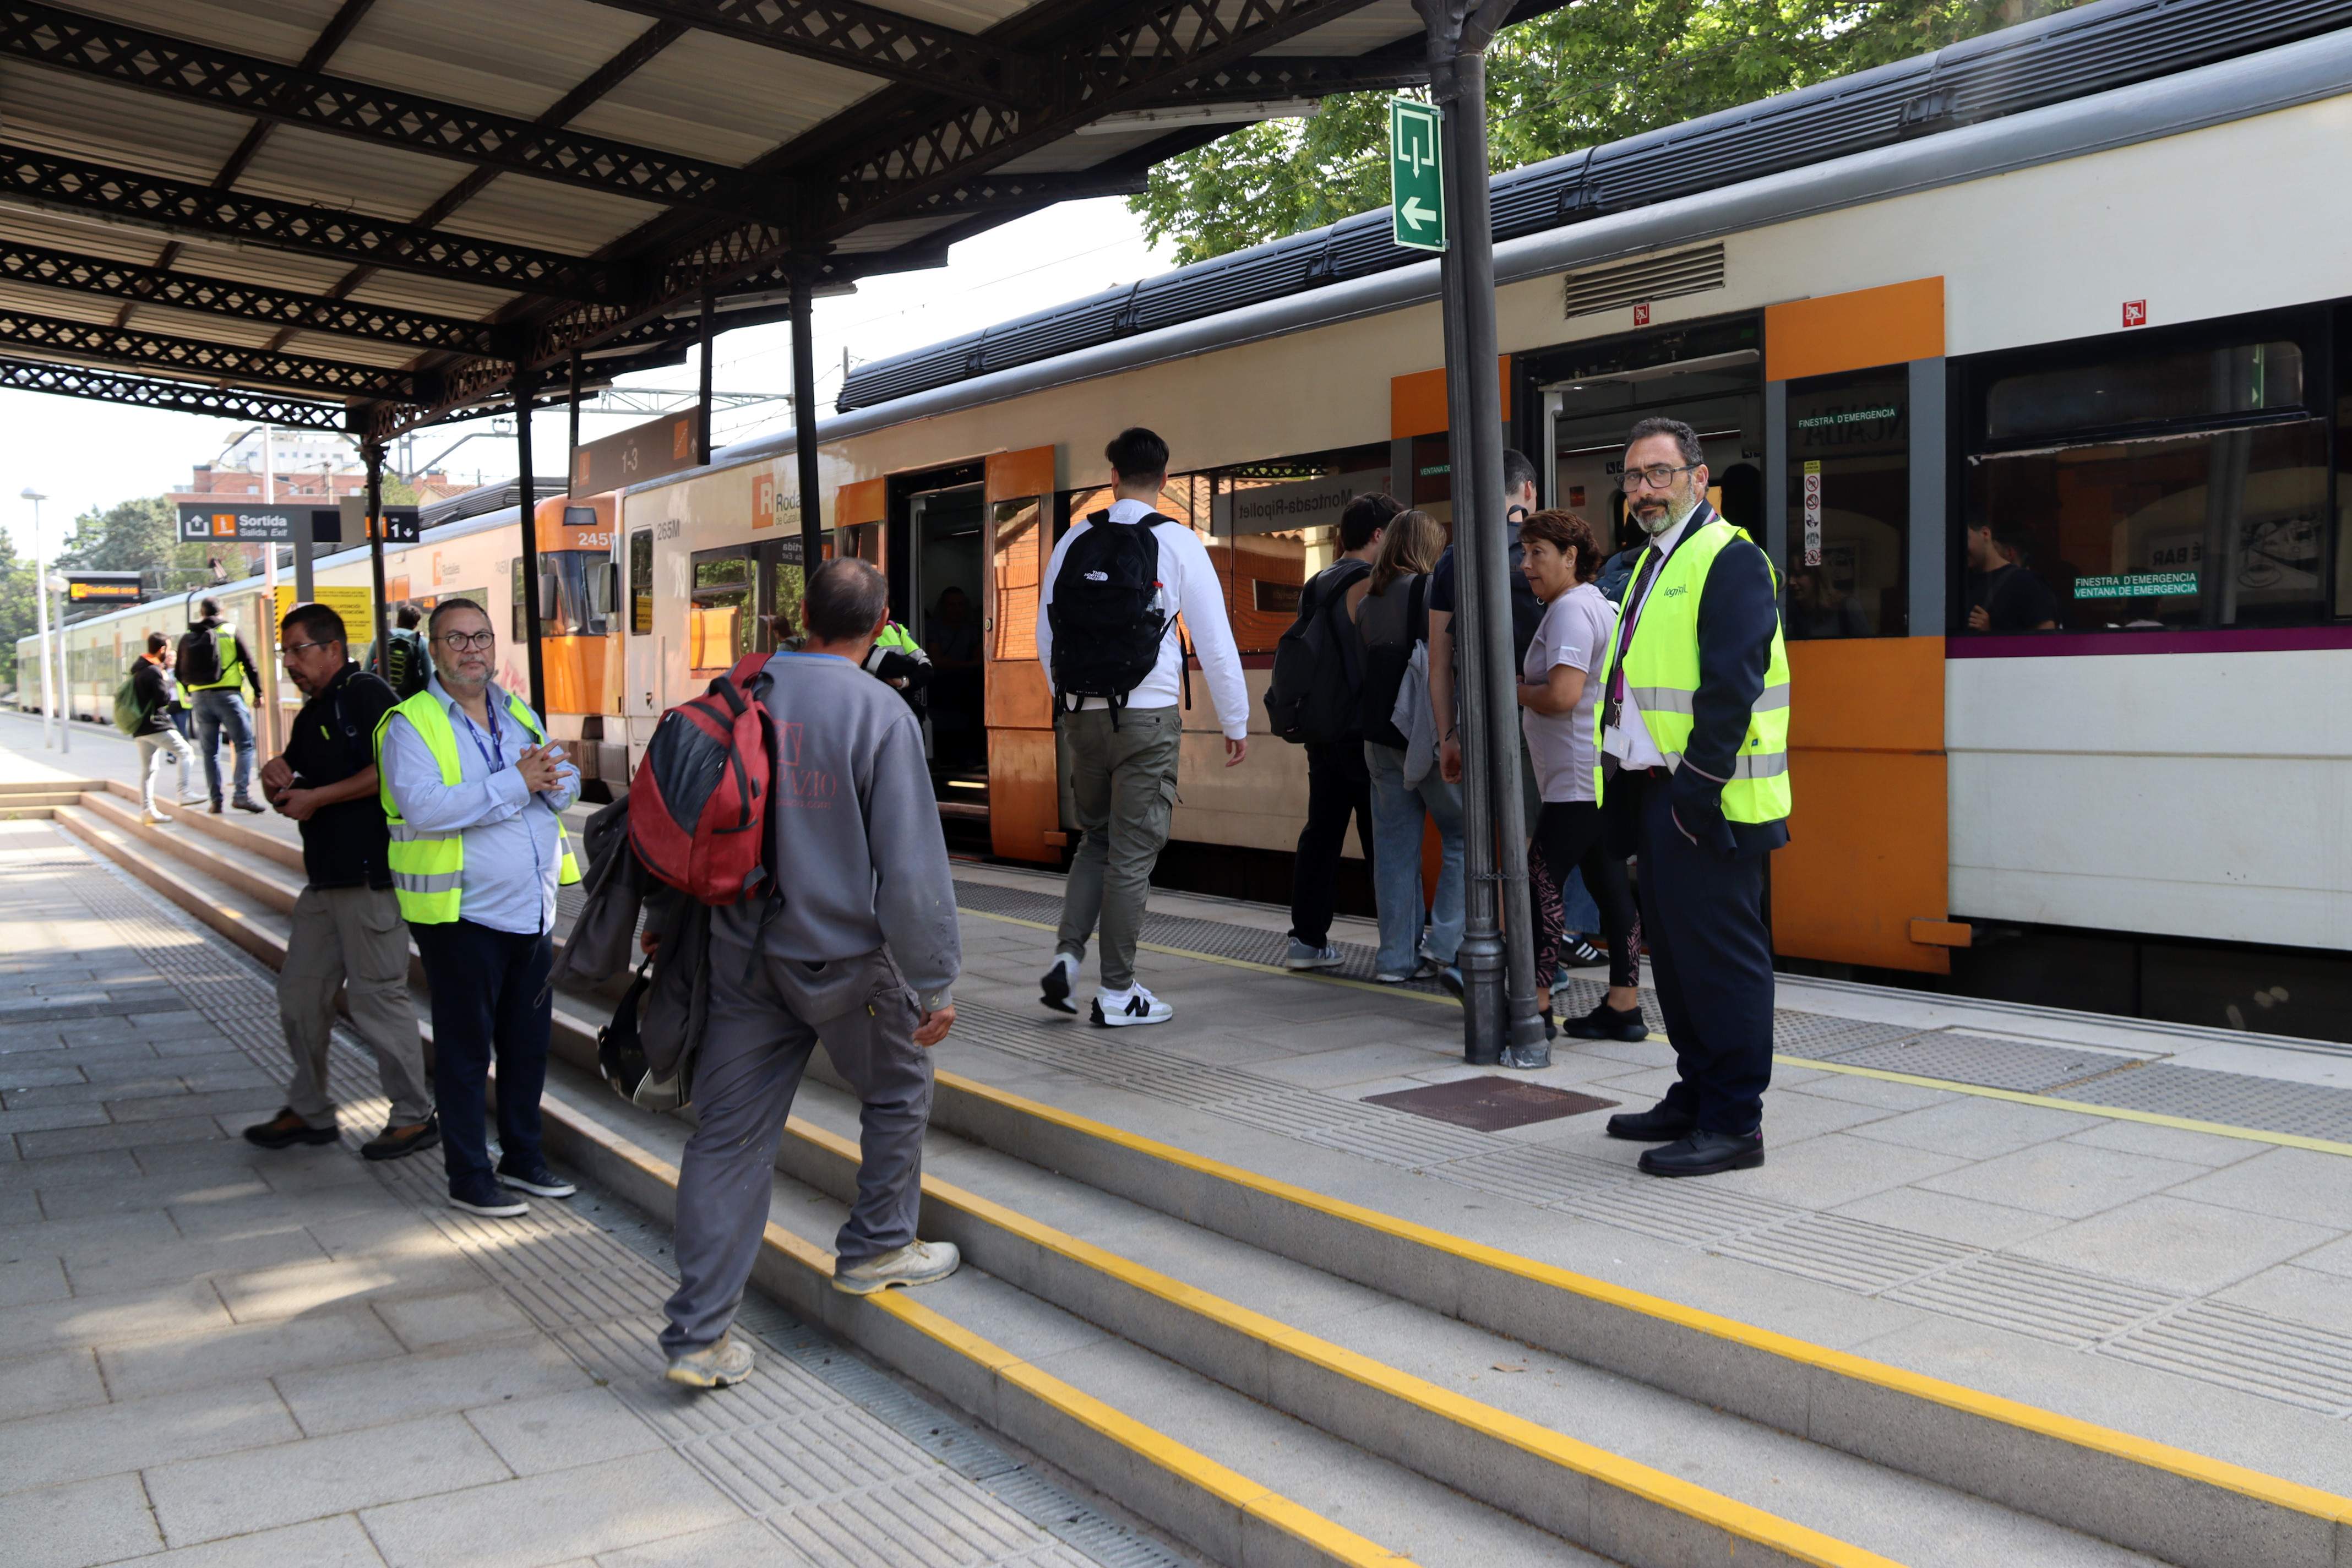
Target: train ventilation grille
x,y
1638,282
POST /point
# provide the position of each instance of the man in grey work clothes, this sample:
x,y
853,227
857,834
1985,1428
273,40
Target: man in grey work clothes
x,y
859,954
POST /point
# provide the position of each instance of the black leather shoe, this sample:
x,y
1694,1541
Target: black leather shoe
x,y
1706,1154
1655,1125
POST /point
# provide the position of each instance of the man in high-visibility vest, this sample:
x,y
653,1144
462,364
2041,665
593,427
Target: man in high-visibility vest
x,y
474,795
1694,776
213,666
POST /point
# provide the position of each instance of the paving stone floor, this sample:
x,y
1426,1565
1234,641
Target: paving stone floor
x,y
214,1354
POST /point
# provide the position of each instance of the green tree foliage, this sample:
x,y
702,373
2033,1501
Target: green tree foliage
x,y
140,535
17,616
1591,73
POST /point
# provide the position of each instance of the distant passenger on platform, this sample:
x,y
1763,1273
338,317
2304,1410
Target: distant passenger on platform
x,y
213,664
1339,787
159,739
2004,594
1390,606
1559,695
859,954
346,934
407,662
475,794
1106,632
1694,777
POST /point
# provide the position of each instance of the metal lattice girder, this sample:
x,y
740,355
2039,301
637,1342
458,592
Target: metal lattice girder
x,y
1269,77
245,84
217,297
184,396
1135,56
1020,192
860,38
153,351
43,179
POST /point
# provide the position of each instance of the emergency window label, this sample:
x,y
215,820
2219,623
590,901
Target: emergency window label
x,y
1813,514
2136,586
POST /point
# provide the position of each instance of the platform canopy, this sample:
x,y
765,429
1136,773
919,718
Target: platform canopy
x,y
373,215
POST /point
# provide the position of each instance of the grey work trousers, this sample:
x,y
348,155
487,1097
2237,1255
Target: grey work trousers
x,y
766,1014
353,940
1122,787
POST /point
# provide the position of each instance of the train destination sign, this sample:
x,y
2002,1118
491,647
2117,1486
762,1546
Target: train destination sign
x,y
1287,508
1416,179
104,588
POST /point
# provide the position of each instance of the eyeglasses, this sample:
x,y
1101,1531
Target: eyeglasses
x,y
462,642
301,647
1657,476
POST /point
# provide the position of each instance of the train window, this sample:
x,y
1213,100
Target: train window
x,y
1275,524
722,609
1017,562
1848,444
641,583
521,629
583,586
2145,388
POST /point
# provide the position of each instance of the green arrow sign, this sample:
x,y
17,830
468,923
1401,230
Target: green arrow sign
x,y
1416,176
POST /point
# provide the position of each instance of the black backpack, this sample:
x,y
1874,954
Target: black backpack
x,y
1318,674
197,662
1107,614
405,664
1389,627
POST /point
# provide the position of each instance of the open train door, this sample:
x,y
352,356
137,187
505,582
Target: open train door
x,y
1024,804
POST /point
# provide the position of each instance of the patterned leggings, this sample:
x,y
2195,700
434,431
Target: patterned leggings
x,y
1568,837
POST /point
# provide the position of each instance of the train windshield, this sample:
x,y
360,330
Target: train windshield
x,y
581,605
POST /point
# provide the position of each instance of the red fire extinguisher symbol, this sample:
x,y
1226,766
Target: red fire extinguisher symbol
x,y
1641,315
2135,312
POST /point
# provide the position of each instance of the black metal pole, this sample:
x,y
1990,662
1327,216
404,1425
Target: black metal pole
x,y
702,402
571,447
804,280
525,388
372,453
1497,965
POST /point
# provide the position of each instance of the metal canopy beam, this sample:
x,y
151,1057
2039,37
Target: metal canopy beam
x,y
1022,193
216,296
182,396
153,351
245,84
43,179
859,37
1268,77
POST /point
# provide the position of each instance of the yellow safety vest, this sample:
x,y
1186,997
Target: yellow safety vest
x,y
1662,676
232,675
428,869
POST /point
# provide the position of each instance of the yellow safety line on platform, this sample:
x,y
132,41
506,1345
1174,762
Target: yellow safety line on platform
x,y
1950,1085
2277,1491
2081,1107
1631,1477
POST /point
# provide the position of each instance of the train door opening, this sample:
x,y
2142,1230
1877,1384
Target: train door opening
x,y
934,561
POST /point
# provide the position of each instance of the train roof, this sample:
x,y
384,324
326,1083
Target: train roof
x,y
2089,49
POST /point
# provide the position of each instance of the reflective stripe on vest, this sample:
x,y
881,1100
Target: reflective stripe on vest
x,y
232,675
428,869
1662,679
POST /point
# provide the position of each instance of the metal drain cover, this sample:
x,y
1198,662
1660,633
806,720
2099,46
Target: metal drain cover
x,y
1489,1103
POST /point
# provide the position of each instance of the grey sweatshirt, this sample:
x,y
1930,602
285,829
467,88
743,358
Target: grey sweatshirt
x,y
856,843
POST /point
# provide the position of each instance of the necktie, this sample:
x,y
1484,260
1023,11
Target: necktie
x,y
1634,602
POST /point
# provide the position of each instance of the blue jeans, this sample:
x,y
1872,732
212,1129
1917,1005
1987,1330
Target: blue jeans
x,y
1397,815
218,710
1579,914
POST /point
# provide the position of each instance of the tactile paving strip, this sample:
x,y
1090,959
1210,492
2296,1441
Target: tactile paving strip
x,y
1981,1059
2238,1099
600,1299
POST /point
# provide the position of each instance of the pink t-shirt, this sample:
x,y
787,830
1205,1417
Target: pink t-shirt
x,y
1575,631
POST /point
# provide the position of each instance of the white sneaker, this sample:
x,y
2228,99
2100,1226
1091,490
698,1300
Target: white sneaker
x,y
916,1263
195,800
149,819
713,1366
1121,1009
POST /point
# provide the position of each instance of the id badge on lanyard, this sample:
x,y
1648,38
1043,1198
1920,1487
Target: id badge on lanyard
x,y
490,746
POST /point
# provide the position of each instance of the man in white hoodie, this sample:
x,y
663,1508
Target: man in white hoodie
x,y
1118,671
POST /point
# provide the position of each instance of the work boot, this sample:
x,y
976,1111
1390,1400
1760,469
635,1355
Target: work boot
x,y
712,1366
916,1263
287,1129
397,1143
1704,1154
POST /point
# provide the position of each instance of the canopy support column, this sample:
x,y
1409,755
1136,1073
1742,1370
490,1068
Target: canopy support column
x,y
372,453
804,284
525,388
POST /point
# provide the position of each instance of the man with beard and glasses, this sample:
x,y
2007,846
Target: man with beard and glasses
x,y
1694,778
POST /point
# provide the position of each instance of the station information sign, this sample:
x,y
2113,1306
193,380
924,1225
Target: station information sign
x,y
356,606
244,524
642,452
1416,176
350,522
104,588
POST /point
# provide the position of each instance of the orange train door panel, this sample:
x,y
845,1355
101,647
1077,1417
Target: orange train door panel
x,y
1024,817
1866,874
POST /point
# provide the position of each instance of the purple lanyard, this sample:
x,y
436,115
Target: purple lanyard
x,y
490,747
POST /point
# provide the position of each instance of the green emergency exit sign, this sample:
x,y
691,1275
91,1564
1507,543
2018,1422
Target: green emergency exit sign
x,y
1416,176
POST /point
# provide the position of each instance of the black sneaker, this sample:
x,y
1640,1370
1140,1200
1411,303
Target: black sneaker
x,y
397,1143
534,1178
1582,954
1607,1023
483,1195
286,1129
1054,986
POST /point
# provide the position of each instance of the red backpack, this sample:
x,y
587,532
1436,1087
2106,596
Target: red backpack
x,y
699,806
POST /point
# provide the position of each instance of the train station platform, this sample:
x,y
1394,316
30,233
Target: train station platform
x,y
1281,1281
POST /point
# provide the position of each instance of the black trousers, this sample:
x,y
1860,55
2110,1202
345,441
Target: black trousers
x,y
1568,838
1338,785
491,1001
1711,955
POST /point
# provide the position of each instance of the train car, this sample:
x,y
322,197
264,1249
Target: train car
x,y
476,557
1916,350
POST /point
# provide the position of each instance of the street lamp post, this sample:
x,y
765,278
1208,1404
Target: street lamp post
x,y
41,624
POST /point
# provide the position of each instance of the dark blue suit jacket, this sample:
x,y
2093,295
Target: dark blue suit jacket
x,y
1738,611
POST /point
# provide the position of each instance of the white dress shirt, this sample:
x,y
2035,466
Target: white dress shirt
x,y
1628,740
1189,581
